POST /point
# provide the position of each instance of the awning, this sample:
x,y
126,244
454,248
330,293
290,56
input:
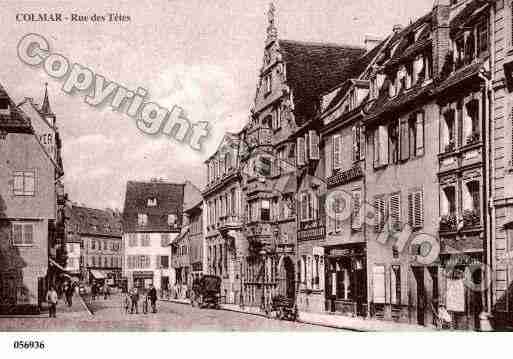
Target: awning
x,y
97,274
61,268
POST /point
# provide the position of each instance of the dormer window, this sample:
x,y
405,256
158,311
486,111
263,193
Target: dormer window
x,y
172,220
152,202
4,106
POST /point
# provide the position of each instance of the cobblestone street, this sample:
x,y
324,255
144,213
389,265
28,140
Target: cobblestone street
x,y
109,316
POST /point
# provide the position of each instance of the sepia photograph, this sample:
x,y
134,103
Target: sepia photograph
x,y
253,166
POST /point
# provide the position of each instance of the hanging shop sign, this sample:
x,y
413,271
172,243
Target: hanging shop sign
x,y
455,297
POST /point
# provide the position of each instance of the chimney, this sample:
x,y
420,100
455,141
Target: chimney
x,y
441,35
371,42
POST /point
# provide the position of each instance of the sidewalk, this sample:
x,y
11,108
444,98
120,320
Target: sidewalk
x,y
78,308
330,320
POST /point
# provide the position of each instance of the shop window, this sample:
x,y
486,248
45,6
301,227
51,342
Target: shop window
x,y
24,183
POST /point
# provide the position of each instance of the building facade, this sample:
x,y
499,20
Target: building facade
x,y
152,219
224,242
28,200
93,238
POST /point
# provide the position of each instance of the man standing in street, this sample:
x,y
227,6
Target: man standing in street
x,y
52,298
134,298
69,295
152,295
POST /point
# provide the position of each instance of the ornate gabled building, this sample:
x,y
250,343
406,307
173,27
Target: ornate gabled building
x,y
293,77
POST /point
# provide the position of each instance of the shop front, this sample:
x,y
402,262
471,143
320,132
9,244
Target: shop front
x,y
142,279
346,280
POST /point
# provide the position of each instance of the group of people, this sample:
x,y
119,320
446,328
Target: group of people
x,y
67,289
132,297
97,290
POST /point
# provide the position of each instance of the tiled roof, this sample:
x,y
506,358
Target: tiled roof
x,y
170,198
385,104
354,71
16,121
84,220
315,68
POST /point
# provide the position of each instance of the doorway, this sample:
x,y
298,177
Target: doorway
x,y
418,273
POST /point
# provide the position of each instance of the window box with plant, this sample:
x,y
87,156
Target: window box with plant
x,y
448,223
450,147
473,138
471,218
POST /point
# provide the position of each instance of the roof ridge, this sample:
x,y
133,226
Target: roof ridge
x,y
324,44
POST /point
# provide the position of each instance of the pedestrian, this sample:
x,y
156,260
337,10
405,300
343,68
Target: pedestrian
x,y
69,295
52,299
105,291
93,291
152,295
135,299
126,301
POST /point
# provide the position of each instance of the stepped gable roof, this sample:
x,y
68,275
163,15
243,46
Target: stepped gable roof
x,y
315,68
85,220
170,199
15,121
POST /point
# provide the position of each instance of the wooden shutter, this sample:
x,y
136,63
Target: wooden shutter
x,y
307,148
355,145
394,208
357,205
363,148
314,145
383,145
328,157
418,209
337,150
405,140
419,140
300,151
380,208
378,284
411,212
375,141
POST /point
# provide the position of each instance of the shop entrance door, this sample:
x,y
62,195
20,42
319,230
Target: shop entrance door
x,y
421,294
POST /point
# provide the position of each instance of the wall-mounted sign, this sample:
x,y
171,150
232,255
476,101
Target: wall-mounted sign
x,y
455,297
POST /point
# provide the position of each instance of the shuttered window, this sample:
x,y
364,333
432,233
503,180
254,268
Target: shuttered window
x,y
22,234
380,208
328,156
313,145
378,284
381,146
394,208
416,209
337,151
356,223
405,141
419,134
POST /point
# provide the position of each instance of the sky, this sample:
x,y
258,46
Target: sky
x,y
203,56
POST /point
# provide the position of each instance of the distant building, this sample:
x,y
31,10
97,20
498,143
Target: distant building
x,y
28,197
93,243
152,219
